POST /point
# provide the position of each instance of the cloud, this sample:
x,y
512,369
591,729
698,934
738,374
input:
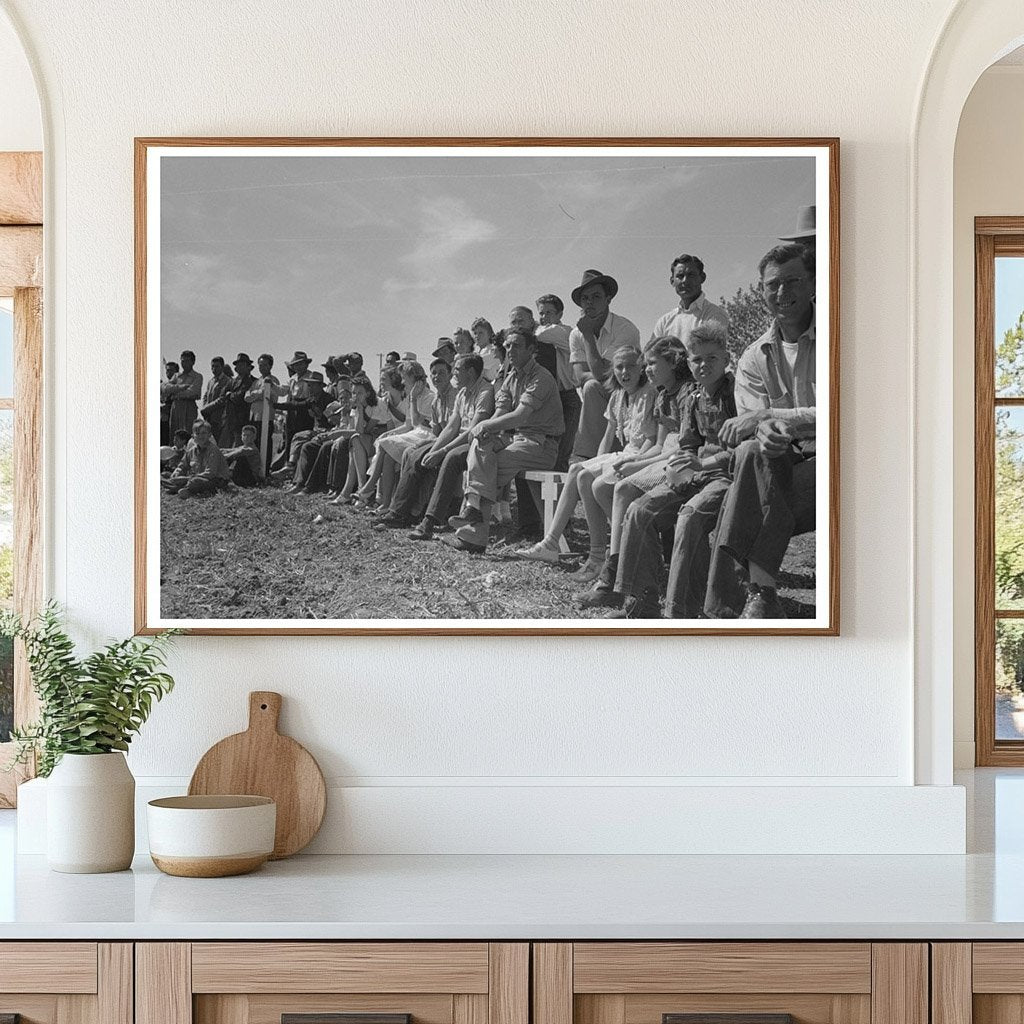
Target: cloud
x,y
448,227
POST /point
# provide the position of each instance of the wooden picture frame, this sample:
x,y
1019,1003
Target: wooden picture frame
x,y
171,217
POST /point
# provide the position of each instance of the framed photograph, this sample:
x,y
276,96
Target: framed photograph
x,y
506,386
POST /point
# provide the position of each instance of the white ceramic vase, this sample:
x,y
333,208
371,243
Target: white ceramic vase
x,y
90,814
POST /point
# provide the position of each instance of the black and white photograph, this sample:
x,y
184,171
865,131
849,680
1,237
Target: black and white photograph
x,y
460,386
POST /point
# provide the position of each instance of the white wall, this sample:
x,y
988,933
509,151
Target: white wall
x,y
394,713
987,181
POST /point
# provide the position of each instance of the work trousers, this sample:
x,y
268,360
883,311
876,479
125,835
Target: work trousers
x,y
691,512
414,481
769,502
492,464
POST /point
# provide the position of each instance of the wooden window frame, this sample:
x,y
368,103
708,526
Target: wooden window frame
x,y
21,278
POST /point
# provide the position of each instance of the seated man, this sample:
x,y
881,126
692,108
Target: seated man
x,y
772,496
202,470
523,434
598,335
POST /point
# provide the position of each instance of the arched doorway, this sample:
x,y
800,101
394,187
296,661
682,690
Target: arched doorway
x,y
977,33
21,247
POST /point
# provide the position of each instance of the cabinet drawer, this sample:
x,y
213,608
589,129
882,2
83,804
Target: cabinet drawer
x,y
340,967
332,983
65,967
66,982
730,983
635,967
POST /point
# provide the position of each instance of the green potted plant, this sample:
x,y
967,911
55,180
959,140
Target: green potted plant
x,y
89,710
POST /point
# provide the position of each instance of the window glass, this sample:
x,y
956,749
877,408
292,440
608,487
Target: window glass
x,y
1009,511
1009,679
1009,320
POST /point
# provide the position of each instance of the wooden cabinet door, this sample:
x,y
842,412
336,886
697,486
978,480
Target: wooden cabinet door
x,y
730,983
66,982
332,983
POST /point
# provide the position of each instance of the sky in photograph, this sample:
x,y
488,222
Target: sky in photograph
x,y
371,253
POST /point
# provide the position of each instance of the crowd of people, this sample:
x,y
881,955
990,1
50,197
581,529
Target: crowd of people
x,y
693,475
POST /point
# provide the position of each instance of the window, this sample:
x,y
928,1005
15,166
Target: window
x,y
999,490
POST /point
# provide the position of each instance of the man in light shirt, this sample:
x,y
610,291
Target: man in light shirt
x,y
772,496
687,278
598,335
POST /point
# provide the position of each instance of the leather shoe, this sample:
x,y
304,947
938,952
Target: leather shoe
x,y
762,603
646,607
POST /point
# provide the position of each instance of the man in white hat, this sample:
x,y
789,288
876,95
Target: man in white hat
x,y
598,335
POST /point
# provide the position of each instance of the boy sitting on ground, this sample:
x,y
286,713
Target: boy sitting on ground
x,y
172,455
244,461
202,470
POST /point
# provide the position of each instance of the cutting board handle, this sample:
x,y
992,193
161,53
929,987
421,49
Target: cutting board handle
x,y
264,710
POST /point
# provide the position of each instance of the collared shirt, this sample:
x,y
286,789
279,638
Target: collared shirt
x,y
558,335
476,399
192,382
633,416
535,389
254,396
703,414
679,322
207,462
616,332
669,413
216,387
764,380
441,408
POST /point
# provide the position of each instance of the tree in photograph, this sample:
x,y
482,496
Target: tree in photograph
x,y
748,319
1009,656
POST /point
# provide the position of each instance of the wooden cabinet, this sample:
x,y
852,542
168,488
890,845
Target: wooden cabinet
x,y
978,983
654,982
262,982
66,982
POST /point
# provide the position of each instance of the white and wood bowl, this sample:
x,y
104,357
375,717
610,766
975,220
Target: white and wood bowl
x,y
211,836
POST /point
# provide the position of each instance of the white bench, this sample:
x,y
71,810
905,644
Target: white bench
x,y
550,488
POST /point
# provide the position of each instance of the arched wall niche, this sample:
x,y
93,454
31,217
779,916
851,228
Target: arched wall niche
x,y
975,35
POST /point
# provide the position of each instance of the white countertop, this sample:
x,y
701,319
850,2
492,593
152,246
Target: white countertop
x,y
976,896
516,897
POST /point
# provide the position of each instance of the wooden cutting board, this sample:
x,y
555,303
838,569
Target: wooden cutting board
x,y
262,762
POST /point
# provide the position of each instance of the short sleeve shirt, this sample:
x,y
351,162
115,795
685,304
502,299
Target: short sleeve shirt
x,y
471,401
634,417
558,335
534,388
616,332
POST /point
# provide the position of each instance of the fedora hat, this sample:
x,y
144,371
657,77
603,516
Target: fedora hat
x,y
611,286
313,377
409,357
297,359
805,226
242,357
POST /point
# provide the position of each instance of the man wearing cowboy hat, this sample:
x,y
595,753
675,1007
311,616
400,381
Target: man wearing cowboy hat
x,y
598,335
236,409
298,416
446,351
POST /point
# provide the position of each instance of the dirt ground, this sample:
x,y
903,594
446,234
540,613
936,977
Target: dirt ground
x,y
263,553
